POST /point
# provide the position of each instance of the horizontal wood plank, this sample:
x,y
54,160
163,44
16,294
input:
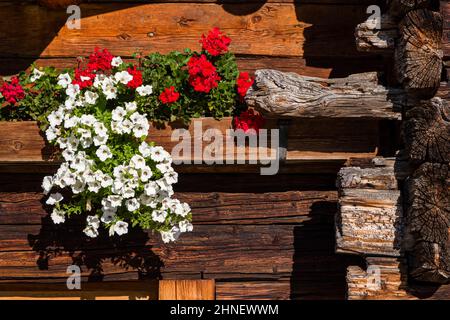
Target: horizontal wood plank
x,y
284,29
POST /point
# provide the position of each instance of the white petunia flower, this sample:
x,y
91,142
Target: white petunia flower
x,y
159,216
132,204
91,232
130,106
146,174
158,154
36,75
128,193
116,61
88,120
121,227
145,149
54,198
70,122
47,184
73,90
64,80
185,226
144,90
57,216
123,77
171,176
118,114
93,221
52,133
106,181
137,162
171,235
109,90
103,153
141,130
108,216
100,140
90,97
127,126
151,188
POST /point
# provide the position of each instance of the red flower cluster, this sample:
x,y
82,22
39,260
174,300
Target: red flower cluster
x,y
169,95
244,82
202,74
13,91
137,78
100,60
249,120
83,78
215,43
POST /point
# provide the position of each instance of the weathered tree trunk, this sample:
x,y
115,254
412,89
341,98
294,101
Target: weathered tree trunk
x,y
427,131
419,52
280,94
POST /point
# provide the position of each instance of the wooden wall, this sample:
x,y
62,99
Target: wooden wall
x,y
259,237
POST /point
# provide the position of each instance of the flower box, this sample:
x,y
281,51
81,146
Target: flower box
x,y
307,141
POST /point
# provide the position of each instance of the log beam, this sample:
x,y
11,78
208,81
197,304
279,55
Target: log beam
x,y
280,94
428,222
427,131
419,54
369,38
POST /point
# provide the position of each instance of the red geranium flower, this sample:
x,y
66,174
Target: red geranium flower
x,y
137,78
215,43
100,60
169,95
202,74
244,82
248,120
83,78
13,91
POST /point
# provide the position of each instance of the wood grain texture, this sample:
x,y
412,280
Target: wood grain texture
x,y
428,222
419,51
271,29
427,131
308,140
279,94
187,290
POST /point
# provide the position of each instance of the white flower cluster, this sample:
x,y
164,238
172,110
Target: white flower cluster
x,y
112,173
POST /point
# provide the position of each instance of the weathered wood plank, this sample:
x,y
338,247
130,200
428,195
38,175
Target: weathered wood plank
x,y
271,29
187,290
279,94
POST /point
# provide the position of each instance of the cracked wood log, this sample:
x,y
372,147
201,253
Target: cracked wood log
x,y
371,39
419,52
370,216
280,94
427,131
428,222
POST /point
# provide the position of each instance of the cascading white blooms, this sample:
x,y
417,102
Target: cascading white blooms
x,y
109,170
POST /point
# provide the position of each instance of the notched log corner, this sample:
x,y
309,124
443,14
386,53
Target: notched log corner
x,y
428,222
281,94
398,8
427,131
419,52
370,216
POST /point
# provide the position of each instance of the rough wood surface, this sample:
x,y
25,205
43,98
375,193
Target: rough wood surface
x,y
428,222
324,140
279,94
380,40
370,215
427,131
419,51
258,230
